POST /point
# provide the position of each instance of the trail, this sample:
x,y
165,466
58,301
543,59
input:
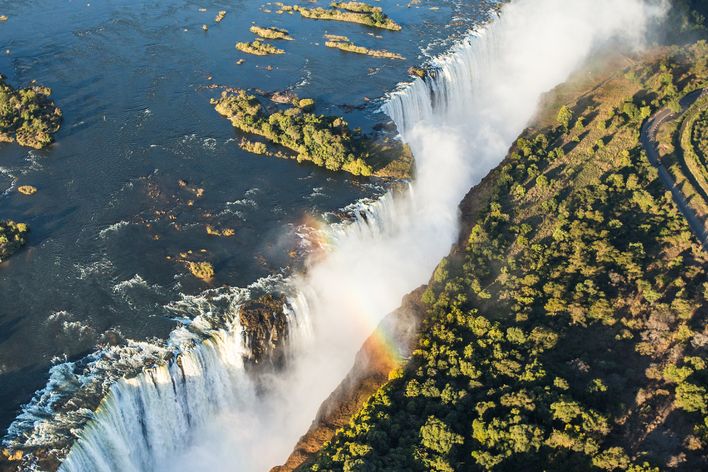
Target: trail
x,y
648,139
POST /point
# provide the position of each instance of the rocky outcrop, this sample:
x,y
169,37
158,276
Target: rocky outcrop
x,y
265,329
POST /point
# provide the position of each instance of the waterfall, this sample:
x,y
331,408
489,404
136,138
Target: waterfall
x,y
202,412
149,417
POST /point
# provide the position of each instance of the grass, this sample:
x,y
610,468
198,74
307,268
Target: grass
x,y
13,236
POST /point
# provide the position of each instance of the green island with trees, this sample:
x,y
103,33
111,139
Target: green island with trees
x,y
566,329
326,141
683,143
351,12
344,44
28,116
258,48
271,32
13,236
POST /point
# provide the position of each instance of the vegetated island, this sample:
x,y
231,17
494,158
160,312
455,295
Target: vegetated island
x,y
351,12
566,329
28,115
271,32
415,71
13,236
326,141
344,44
258,48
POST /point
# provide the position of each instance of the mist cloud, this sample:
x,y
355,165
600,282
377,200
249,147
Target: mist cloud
x,y
492,84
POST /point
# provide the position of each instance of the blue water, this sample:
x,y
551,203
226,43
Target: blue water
x,y
133,80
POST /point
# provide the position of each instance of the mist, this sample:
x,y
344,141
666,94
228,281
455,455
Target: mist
x,y
490,87
203,413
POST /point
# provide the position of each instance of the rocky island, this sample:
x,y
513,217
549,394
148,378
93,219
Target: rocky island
x,y
28,116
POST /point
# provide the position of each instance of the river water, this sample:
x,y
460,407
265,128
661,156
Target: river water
x,y
132,80
204,412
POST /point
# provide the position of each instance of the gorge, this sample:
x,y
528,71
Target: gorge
x,y
194,405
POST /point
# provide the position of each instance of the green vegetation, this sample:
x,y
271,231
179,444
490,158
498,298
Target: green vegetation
x,y
258,48
271,33
356,7
27,115
566,332
343,44
682,158
325,141
254,147
699,134
12,237
351,12
680,139
687,20
565,115
694,142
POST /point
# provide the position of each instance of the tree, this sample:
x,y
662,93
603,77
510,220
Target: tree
x,y
565,116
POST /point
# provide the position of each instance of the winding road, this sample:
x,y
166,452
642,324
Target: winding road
x,y
648,139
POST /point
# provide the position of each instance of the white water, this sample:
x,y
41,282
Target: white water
x,y
205,415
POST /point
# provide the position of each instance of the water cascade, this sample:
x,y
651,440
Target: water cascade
x,y
202,413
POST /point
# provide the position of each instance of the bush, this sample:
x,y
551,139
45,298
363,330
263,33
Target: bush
x,y
12,237
325,141
28,115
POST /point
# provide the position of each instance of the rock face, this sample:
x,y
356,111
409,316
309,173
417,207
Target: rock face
x,y
371,369
266,331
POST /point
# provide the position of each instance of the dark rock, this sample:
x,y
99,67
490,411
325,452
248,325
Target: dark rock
x,y
265,330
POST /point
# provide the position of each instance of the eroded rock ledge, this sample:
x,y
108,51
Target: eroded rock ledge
x,y
266,331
